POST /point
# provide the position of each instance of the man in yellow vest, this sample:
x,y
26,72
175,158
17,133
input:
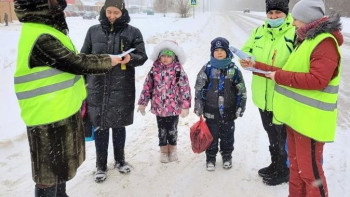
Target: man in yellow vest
x,y
305,97
50,90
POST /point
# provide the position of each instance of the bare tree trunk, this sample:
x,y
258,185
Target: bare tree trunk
x,y
183,8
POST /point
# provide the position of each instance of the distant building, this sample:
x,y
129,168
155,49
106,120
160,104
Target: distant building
x,y
7,6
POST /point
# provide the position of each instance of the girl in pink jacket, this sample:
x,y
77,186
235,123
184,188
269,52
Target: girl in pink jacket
x,y
167,87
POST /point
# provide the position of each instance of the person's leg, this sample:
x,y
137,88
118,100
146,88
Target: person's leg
x,y
213,148
61,190
226,135
277,172
266,118
162,136
309,157
171,127
119,137
281,173
45,190
101,144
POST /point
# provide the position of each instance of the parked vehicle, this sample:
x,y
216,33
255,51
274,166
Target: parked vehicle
x,y
89,15
246,10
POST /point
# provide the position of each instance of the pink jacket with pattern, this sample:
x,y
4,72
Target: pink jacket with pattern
x,y
167,96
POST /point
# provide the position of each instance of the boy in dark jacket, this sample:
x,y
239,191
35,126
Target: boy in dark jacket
x,y
111,97
220,96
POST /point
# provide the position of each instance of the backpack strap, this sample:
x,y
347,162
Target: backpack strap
x,y
177,73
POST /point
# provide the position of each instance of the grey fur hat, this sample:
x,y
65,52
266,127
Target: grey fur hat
x,y
308,11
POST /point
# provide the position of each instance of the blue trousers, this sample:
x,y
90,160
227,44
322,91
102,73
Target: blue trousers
x,y
223,131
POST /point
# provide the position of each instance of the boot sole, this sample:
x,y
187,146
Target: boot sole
x,y
276,181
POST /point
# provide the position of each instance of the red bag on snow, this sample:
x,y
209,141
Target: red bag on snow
x,y
200,135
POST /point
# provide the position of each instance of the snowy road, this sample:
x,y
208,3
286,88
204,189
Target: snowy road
x,y
187,177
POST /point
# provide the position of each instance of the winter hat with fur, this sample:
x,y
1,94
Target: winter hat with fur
x,y
115,3
281,5
171,46
220,42
308,11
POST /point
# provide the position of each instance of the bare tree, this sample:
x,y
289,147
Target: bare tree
x,y
161,6
183,8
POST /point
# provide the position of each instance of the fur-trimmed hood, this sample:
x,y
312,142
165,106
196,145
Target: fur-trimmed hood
x,y
39,11
331,25
171,45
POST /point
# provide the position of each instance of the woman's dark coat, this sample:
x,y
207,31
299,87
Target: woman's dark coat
x,y
111,97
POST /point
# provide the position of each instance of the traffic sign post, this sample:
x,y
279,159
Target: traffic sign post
x,y
193,2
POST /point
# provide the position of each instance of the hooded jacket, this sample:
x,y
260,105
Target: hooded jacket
x,y
111,97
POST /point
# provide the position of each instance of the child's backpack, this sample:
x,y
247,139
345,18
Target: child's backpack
x,y
208,72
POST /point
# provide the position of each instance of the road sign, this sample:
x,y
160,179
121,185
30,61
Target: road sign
x,y
193,2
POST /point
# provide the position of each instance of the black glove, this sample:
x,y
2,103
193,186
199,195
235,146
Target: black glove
x,y
203,93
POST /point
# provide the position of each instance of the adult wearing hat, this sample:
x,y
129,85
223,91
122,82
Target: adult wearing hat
x,y
271,44
306,95
111,97
50,90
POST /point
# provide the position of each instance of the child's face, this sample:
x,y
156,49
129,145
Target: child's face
x,y
220,54
166,59
113,13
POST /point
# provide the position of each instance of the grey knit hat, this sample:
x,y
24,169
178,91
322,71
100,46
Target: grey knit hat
x,y
308,11
115,3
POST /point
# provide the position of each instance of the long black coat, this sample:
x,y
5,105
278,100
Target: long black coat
x,y
111,97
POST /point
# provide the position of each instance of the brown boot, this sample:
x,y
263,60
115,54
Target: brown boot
x,y
164,152
172,153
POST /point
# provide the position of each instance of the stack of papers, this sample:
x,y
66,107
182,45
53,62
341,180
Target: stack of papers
x,y
124,53
245,56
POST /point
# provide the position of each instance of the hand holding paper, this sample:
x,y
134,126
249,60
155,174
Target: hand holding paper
x,y
247,61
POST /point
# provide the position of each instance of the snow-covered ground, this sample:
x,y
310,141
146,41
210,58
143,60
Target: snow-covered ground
x,y
149,177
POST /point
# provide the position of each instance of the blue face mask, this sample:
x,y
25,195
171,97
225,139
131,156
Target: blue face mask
x,y
275,22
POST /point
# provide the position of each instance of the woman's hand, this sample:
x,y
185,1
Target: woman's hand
x,y
271,75
115,60
247,63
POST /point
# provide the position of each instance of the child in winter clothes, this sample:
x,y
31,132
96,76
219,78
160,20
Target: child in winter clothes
x,y
220,96
167,87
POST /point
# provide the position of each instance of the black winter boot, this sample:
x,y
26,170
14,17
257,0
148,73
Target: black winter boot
x,y
46,192
269,170
61,190
281,175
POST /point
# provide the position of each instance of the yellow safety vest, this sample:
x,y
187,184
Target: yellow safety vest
x,y
45,94
312,113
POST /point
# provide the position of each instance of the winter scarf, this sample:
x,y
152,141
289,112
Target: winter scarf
x,y
220,64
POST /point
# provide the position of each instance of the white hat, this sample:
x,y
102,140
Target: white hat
x,y
170,45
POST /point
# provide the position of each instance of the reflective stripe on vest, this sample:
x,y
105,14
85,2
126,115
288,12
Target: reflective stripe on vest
x,y
312,113
306,100
45,94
